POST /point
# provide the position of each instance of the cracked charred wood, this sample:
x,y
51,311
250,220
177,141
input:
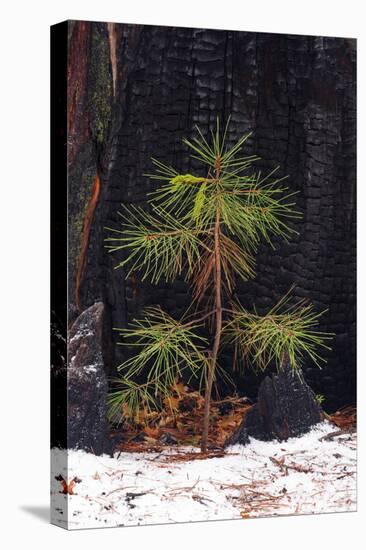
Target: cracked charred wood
x,y
286,407
152,85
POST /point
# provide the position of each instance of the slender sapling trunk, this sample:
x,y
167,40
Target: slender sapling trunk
x,y
218,325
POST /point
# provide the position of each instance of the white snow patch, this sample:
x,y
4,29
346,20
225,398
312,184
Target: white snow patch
x,y
90,368
82,332
148,488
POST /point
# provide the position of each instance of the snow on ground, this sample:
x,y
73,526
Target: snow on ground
x,y
300,476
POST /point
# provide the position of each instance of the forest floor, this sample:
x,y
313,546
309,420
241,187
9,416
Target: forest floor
x,y
315,473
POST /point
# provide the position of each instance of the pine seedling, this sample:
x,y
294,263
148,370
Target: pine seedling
x,y
207,227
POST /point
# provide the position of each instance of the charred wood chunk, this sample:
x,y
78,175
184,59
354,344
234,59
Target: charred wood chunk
x,y
286,407
86,383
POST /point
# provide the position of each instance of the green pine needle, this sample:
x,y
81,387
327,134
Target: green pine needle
x,y
166,351
157,244
286,333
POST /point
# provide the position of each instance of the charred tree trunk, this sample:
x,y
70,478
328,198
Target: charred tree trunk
x,y
139,89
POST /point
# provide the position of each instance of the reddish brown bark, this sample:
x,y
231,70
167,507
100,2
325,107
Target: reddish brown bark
x,y
77,72
112,38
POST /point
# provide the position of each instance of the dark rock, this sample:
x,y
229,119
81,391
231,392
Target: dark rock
x,y
140,437
87,384
168,439
239,436
286,407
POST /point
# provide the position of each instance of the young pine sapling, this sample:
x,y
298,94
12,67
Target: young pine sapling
x,y
207,227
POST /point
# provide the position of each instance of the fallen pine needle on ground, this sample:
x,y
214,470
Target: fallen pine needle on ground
x,y
304,475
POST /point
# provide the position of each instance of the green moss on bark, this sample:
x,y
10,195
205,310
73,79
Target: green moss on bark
x,y
81,179
100,85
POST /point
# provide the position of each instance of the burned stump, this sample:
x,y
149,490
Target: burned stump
x,y
86,383
286,407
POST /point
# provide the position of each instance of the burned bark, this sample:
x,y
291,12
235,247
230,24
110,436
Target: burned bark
x,y
297,95
286,407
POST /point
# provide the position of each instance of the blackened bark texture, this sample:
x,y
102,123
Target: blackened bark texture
x,y
147,87
286,407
